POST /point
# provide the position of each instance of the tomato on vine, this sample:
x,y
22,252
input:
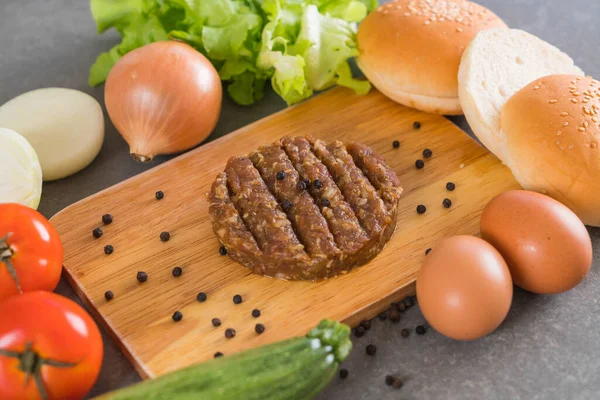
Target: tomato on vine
x,y
31,253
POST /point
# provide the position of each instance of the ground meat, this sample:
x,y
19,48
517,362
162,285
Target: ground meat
x,y
340,216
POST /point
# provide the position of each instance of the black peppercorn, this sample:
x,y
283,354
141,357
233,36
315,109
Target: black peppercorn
x,y
259,328
450,186
317,184
218,354
107,219
421,209
405,333
359,331
409,301
222,251
420,330
394,382
97,233
201,297
237,299
396,144
419,164
286,205
177,271
165,236
427,251
343,373
306,182
427,153
365,324
371,349
215,322
301,185
256,313
159,195
395,316
417,125
400,306
447,203
383,316
229,333
108,249
109,295
177,316
280,175
142,277
325,202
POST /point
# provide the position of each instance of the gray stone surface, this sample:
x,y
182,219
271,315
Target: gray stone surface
x,y
546,349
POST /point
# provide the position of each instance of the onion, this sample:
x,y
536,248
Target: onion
x,y
163,98
20,170
64,126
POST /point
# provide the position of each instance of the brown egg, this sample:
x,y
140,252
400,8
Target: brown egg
x,y
546,247
464,288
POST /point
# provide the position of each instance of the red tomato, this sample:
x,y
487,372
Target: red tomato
x,y
54,340
31,253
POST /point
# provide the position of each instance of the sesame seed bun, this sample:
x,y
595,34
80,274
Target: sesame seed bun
x,y
410,50
552,130
496,64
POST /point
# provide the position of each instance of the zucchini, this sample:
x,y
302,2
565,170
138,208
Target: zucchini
x,y
297,368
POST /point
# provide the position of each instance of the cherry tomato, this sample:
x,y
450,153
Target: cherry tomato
x,y
31,253
50,348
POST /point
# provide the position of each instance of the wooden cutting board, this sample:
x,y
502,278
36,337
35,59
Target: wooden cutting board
x,y
139,317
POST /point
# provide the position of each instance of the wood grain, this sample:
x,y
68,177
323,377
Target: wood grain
x,y
139,317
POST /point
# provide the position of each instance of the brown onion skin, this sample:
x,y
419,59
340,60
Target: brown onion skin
x,y
163,98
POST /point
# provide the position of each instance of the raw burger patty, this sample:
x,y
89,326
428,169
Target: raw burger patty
x,y
340,217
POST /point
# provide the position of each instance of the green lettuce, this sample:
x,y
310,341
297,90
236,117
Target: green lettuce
x,y
300,46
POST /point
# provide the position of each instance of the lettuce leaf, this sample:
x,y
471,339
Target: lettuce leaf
x,y
300,46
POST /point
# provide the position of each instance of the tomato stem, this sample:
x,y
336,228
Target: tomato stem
x,y
6,254
30,362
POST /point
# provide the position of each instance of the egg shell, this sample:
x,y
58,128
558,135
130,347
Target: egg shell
x,y
546,246
464,288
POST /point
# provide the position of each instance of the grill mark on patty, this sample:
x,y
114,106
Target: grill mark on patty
x,y
356,188
342,222
261,212
309,224
381,176
222,210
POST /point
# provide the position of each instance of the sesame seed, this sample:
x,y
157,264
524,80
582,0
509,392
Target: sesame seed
x,y
565,124
581,129
558,142
576,93
595,119
585,124
544,191
564,113
427,22
571,146
461,166
573,87
407,14
553,101
558,133
574,100
459,29
585,100
536,87
593,145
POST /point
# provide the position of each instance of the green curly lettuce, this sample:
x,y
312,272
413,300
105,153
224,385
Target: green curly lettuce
x,y
300,46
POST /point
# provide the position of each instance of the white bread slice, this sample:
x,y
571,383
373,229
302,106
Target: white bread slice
x,y
497,64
